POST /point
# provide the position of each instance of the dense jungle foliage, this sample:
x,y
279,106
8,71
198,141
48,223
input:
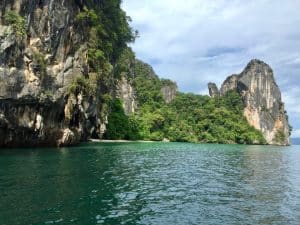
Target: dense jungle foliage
x,y
188,118
105,28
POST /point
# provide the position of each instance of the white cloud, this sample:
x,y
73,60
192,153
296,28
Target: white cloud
x,y
296,134
197,41
291,98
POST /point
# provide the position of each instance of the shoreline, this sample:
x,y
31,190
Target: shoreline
x,y
142,141
118,141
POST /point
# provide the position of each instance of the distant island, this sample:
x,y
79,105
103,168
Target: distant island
x,y
67,75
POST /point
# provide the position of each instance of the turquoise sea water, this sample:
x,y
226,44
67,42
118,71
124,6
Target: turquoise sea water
x,y
151,183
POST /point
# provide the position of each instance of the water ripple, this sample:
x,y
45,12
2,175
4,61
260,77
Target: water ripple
x,y
151,183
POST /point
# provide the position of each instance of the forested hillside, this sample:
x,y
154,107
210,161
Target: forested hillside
x,y
186,118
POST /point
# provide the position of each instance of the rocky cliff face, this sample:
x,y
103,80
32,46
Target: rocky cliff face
x,y
136,69
213,90
126,93
263,106
169,91
42,53
59,69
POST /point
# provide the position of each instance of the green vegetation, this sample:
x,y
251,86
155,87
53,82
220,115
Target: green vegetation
x,y
279,136
147,85
194,118
80,85
40,64
105,28
189,117
40,68
120,126
17,22
46,95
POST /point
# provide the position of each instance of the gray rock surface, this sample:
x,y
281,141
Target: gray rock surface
x,y
229,84
263,106
126,92
35,73
168,88
169,92
213,90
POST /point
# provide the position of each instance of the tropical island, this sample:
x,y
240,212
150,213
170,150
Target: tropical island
x,y
67,75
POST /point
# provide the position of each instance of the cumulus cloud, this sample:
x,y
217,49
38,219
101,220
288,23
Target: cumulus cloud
x,y
197,41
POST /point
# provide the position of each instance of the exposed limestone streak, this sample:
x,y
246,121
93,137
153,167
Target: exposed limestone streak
x,y
125,92
264,108
169,92
35,73
265,98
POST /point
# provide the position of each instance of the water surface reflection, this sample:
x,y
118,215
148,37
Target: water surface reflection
x,y
151,183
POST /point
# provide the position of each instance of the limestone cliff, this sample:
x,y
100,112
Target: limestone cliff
x,y
61,68
126,93
169,90
263,106
125,87
129,86
213,90
50,92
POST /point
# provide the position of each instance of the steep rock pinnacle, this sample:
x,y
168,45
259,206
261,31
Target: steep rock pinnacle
x,y
263,106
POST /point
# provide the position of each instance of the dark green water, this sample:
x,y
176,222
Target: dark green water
x,y
151,183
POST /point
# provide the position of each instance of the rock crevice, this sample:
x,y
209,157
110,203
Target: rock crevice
x,y
36,72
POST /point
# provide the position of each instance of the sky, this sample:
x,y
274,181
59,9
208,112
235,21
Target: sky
x,y
194,42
